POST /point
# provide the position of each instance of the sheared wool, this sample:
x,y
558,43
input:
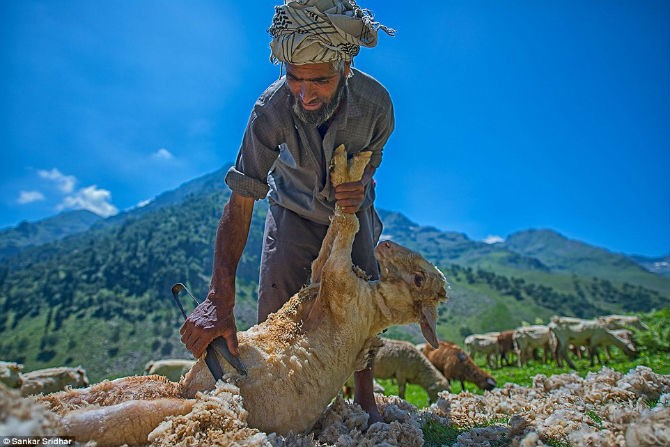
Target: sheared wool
x,y
598,410
604,409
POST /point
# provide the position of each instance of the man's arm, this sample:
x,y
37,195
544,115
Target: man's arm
x,y
214,316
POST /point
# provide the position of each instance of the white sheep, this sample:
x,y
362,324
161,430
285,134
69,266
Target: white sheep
x,y
51,380
590,333
10,374
622,322
401,361
486,344
299,358
173,369
529,338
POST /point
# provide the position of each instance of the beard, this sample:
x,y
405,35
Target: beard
x,y
324,113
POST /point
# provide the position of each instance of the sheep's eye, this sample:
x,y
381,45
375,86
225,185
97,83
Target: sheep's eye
x,y
419,279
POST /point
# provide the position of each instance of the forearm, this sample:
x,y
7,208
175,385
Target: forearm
x,y
367,174
231,238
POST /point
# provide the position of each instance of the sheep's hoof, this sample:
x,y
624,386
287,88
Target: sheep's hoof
x,y
343,170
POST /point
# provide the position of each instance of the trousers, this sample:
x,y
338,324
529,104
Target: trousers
x,y
291,243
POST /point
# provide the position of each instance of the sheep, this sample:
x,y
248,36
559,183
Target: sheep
x,y
400,360
505,345
529,338
10,374
299,358
487,344
624,334
455,364
621,322
51,380
173,369
588,333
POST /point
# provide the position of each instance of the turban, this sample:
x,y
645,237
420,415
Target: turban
x,y
315,31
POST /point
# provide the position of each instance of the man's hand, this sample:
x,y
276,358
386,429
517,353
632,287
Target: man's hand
x,y
206,323
350,196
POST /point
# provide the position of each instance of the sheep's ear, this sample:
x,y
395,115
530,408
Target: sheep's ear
x,y
461,356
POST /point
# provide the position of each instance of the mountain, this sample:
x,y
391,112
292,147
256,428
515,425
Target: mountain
x,y
27,234
101,297
564,255
660,265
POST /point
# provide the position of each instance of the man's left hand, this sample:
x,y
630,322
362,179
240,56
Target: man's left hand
x,y
350,196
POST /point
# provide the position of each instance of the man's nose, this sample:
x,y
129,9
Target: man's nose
x,y
306,92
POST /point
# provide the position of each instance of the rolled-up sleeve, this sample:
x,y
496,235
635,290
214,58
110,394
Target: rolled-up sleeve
x,y
383,129
257,154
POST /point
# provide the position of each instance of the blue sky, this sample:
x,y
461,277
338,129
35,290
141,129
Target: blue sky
x,y
510,115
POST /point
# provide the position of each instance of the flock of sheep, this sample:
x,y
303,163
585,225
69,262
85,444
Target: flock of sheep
x,y
560,336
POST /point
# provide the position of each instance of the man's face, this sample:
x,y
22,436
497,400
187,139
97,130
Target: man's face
x,y
316,90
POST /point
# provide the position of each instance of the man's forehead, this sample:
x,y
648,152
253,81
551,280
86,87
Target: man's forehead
x,y
311,71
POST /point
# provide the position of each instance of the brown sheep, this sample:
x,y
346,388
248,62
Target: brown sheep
x,y
505,346
455,364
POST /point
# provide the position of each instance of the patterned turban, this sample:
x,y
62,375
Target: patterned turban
x,y
314,31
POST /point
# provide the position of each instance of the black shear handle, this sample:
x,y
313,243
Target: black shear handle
x,y
217,346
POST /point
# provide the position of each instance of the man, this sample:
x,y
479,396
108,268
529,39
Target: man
x,y
295,126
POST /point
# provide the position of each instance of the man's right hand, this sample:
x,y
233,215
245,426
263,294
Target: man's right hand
x,y
214,316
206,323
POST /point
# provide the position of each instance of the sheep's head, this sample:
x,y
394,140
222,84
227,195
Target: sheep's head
x,y
474,373
424,285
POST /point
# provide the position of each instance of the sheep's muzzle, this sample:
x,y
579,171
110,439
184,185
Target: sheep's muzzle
x,y
428,323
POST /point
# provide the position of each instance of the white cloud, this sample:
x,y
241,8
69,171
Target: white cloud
x,y
65,183
91,198
29,197
162,154
492,239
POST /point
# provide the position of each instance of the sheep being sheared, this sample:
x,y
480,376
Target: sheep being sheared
x,y
299,358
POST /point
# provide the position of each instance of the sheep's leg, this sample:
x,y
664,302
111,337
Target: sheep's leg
x,y
342,171
564,353
401,388
333,265
126,423
338,279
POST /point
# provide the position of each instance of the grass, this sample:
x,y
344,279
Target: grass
x,y
416,395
